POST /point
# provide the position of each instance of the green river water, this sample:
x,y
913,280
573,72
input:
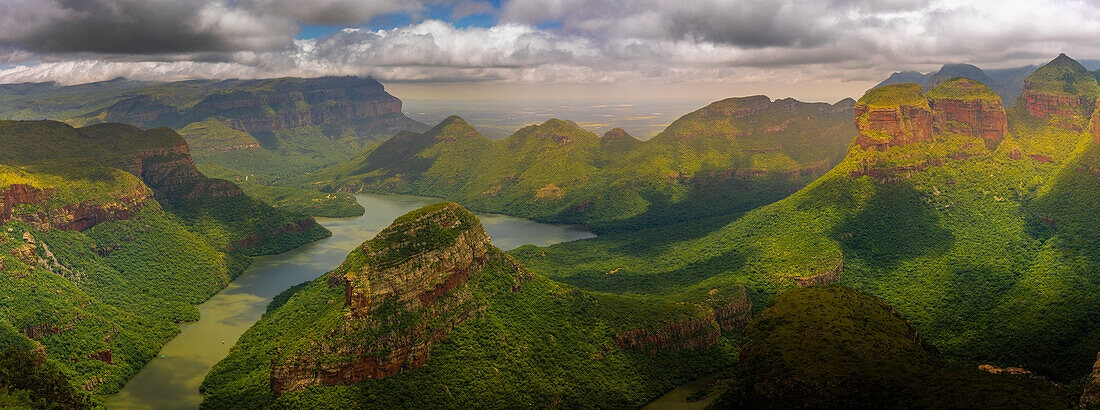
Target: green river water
x,y
172,382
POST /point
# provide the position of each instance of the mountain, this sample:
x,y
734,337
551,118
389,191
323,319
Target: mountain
x,y
114,231
1062,88
830,346
1005,82
984,245
732,155
249,131
429,314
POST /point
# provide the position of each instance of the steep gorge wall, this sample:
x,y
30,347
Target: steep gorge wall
x,y
903,124
1042,105
979,118
72,217
701,331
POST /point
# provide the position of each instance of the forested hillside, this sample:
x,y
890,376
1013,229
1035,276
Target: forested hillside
x,y
979,231
730,156
109,237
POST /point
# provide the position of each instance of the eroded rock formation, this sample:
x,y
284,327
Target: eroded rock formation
x,y
1042,105
701,331
980,118
881,127
72,217
407,289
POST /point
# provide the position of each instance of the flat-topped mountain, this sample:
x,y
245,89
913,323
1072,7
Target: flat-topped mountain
x,y
248,131
734,154
430,314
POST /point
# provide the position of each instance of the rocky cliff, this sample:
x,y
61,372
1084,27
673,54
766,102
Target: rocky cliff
x,y
1063,88
968,107
71,217
404,290
1090,395
1094,123
291,103
704,330
892,116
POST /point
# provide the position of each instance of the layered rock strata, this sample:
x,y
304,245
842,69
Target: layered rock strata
x,y
407,289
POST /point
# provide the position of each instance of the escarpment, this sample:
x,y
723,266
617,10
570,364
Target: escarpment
x,y
968,107
1042,105
731,313
40,207
1061,88
404,291
1094,124
892,116
897,116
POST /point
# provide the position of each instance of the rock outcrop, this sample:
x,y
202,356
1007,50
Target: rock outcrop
x,y
703,330
892,116
968,107
1041,105
72,217
1094,124
1062,87
303,103
1090,396
406,289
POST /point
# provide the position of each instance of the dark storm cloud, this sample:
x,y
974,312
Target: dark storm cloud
x,y
751,24
332,12
535,41
138,26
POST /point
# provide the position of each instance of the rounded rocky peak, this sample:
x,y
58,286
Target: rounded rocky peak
x,y
555,123
1062,76
894,95
617,134
447,214
962,88
453,127
845,103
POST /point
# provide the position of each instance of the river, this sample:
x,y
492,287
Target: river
x,y
172,382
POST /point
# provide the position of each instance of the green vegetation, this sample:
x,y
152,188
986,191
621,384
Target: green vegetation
x,y
29,382
834,347
894,95
731,156
155,238
304,201
294,125
1064,76
987,252
960,88
540,342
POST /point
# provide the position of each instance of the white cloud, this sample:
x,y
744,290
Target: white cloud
x,y
803,43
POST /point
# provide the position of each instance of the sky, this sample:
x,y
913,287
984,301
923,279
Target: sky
x,y
614,50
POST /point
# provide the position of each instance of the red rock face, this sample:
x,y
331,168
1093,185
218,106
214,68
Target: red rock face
x,y
434,283
1041,105
978,118
905,124
1094,124
74,217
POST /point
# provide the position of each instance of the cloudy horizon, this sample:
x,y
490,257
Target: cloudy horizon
x,y
821,50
